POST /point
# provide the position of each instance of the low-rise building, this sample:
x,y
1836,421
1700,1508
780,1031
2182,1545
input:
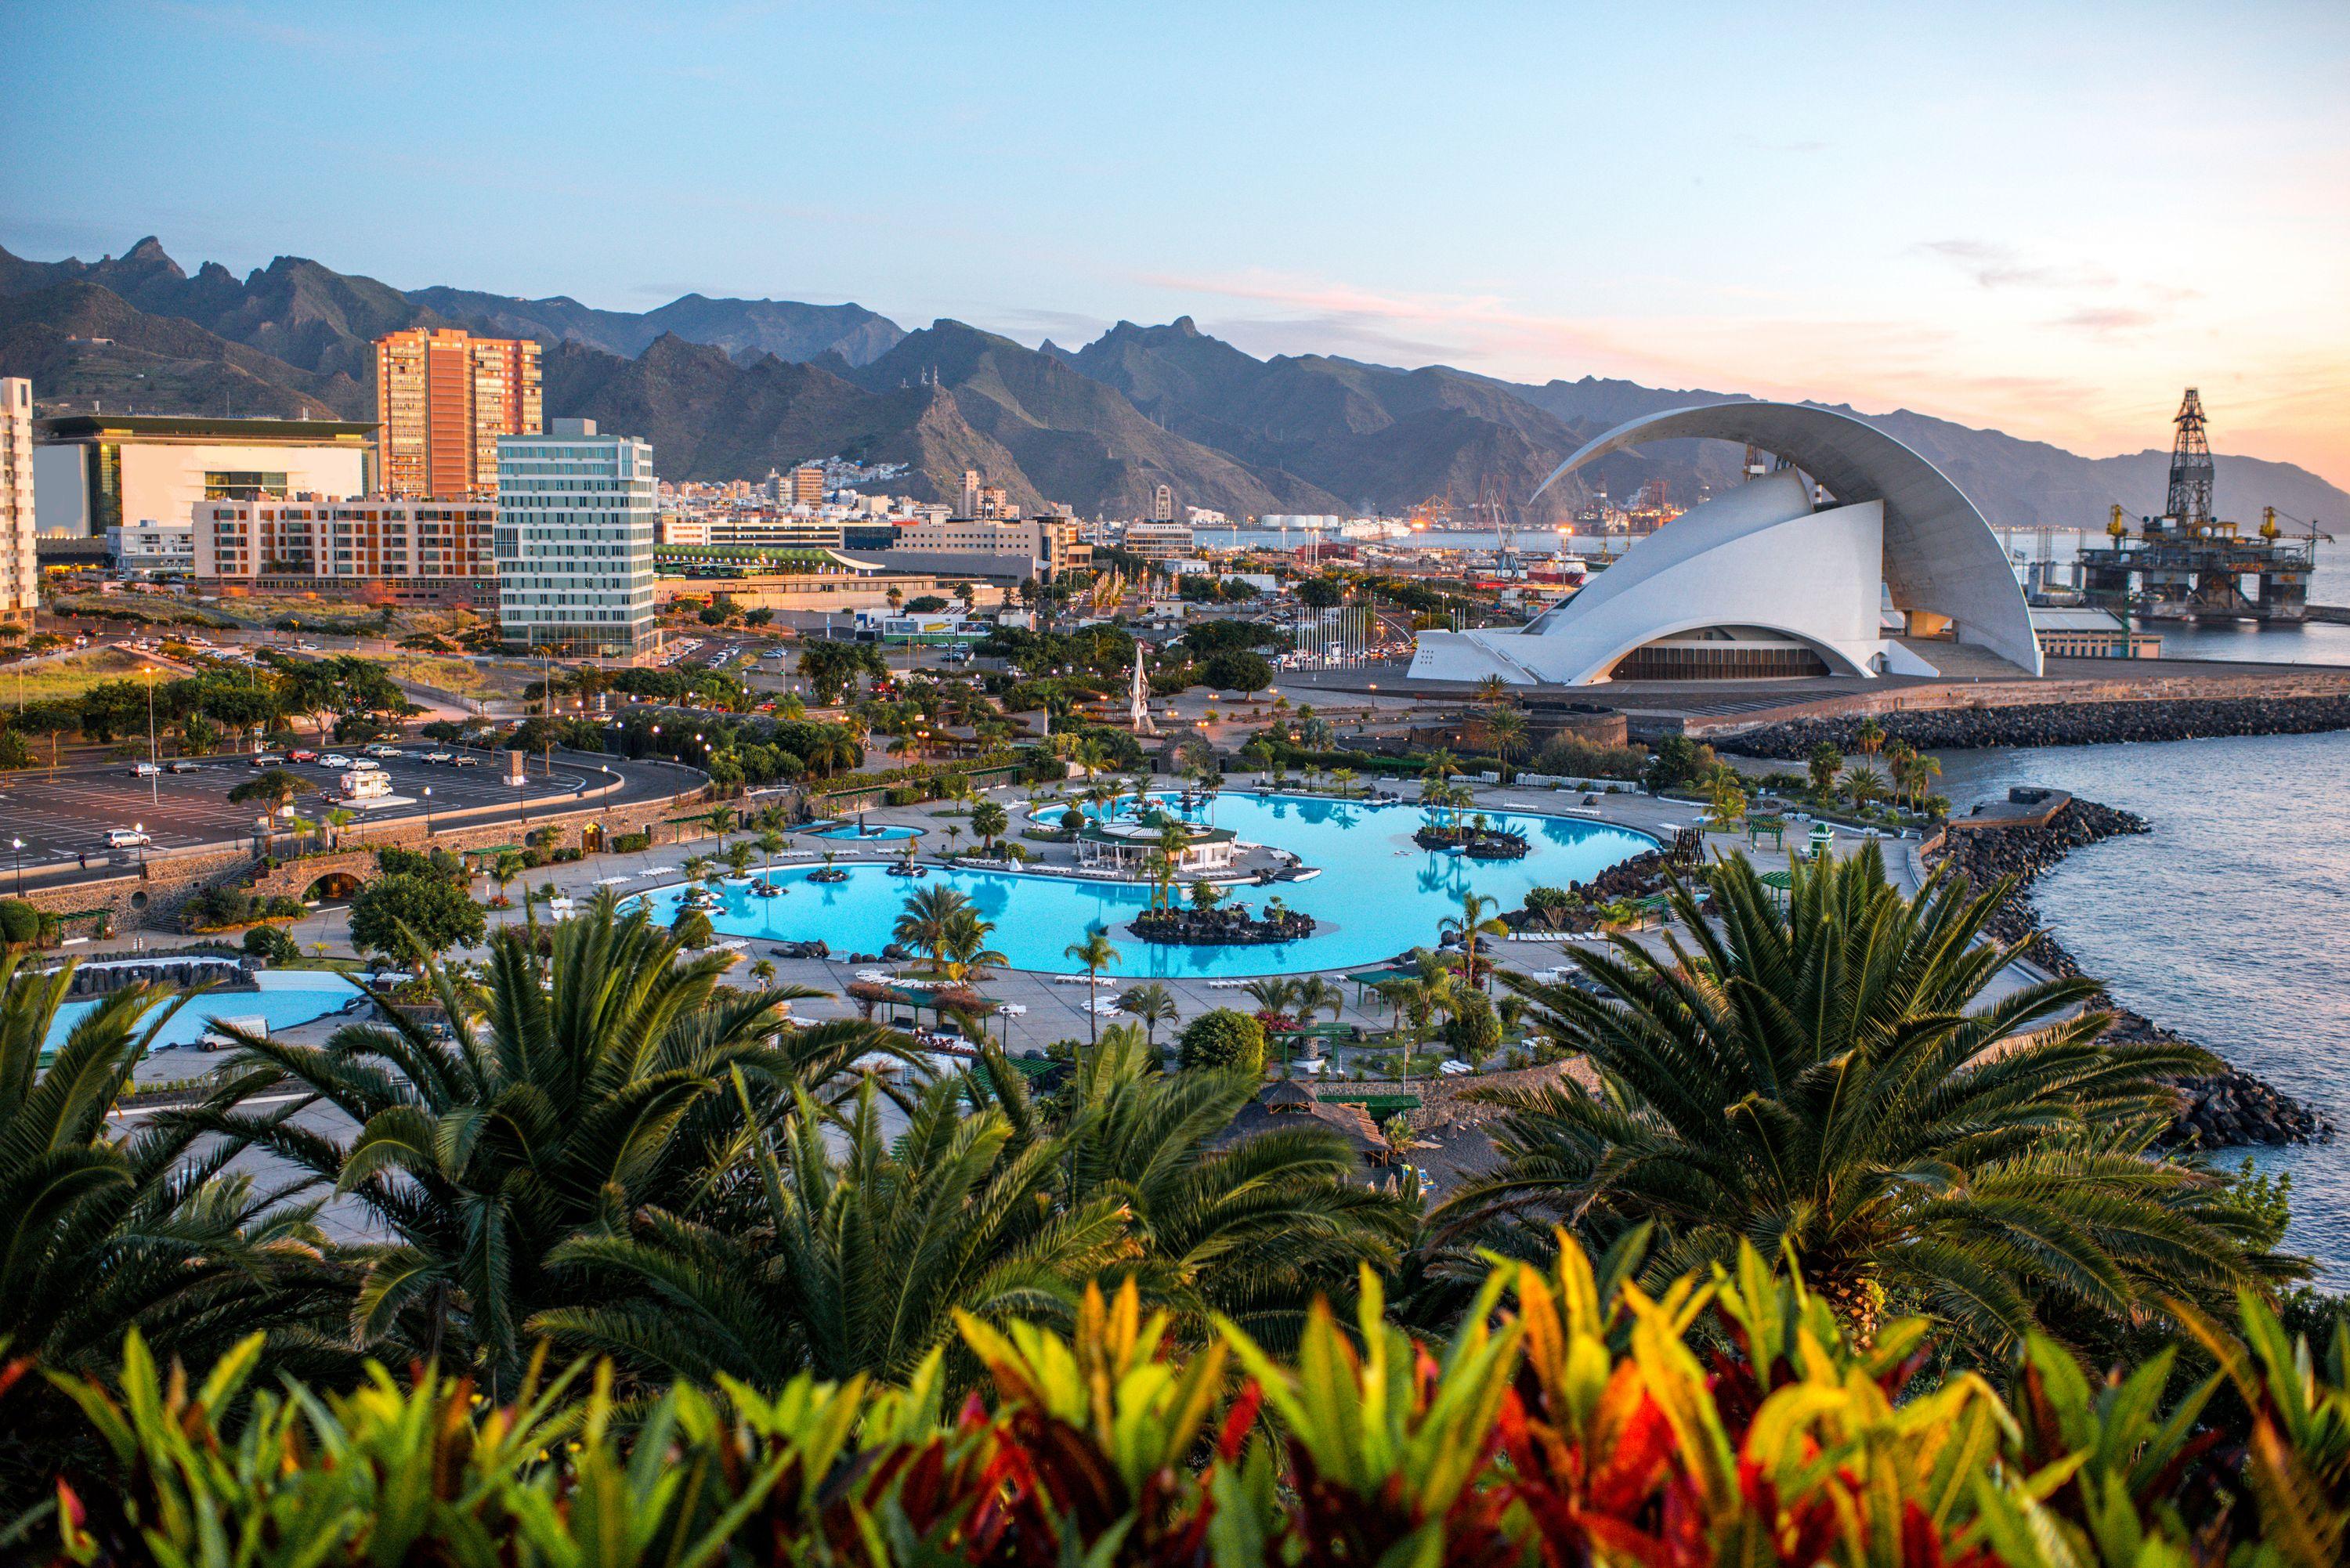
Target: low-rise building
x,y
376,549
1157,541
97,471
150,548
1047,546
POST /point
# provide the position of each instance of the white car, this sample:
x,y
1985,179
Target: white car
x,y
380,749
126,838
366,765
334,760
144,770
439,756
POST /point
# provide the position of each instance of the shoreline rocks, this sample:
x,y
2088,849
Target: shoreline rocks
x,y
2070,725
2216,1111
1225,928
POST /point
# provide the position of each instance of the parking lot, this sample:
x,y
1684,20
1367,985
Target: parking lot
x,y
65,817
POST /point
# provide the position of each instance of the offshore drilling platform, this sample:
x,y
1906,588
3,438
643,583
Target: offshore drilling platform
x,y
2188,564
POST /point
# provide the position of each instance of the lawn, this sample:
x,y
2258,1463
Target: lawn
x,y
39,681
465,676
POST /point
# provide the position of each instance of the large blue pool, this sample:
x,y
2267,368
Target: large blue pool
x,y
876,835
285,999
1378,893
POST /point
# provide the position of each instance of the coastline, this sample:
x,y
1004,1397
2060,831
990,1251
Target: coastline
x,y
2072,724
2230,1108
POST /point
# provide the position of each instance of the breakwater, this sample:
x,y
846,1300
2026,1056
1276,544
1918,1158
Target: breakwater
x,y
2072,724
2217,1109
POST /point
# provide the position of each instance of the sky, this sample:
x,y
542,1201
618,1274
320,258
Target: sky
x,y
2046,219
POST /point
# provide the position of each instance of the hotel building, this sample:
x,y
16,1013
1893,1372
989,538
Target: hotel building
x,y
442,398
575,541
19,576
373,549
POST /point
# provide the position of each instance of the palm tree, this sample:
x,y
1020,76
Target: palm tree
x,y
572,1089
1256,1231
1094,954
110,1226
850,1254
1870,738
1863,784
1505,731
697,866
954,831
925,919
1151,1004
963,947
1274,996
989,821
771,844
1475,919
503,871
763,971
1833,1079
1344,779
1419,1000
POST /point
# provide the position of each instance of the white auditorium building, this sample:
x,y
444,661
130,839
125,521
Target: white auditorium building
x,y
1860,576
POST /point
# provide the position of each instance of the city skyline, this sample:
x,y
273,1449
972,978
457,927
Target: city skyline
x,y
2042,221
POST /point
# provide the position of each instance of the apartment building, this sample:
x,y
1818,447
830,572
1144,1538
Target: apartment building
x,y
443,397
373,549
574,541
20,581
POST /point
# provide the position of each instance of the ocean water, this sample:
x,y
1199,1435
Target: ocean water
x,y
2230,923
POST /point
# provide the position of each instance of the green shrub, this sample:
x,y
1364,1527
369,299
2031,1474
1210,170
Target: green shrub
x,y
1474,1031
1222,1037
693,928
269,942
20,924
629,843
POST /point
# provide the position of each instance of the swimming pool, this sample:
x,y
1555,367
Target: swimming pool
x,y
849,830
285,998
1378,893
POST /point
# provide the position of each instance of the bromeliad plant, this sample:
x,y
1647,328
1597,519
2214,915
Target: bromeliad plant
x,y
1574,1418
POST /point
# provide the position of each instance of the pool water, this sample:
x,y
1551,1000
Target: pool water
x,y
849,830
1378,893
285,999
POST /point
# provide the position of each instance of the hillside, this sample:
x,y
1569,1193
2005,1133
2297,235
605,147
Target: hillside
x,y
746,328
730,388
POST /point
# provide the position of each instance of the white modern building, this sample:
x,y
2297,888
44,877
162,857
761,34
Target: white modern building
x,y
99,471
1855,557
152,548
20,583
575,541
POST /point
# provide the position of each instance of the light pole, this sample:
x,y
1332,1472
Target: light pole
x,y
428,816
17,844
154,779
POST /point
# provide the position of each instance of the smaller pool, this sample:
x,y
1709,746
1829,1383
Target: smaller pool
x,y
286,997
850,830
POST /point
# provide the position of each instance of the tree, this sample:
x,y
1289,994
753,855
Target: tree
x,y
964,950
1222,1038
1726,796
1149,1003
989,821
110,1227
1862,784
1237,670
1473,1033
1320,592
1505,731
924,921
503,871
843,1260
1869,739
573,1090
1206,895
1825,761
1476,918
272,788
410,916
692,929
1825,1076
1094,954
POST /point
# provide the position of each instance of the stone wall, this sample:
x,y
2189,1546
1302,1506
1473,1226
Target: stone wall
x,y
2204,682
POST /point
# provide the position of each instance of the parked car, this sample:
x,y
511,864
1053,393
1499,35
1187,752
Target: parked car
x,y
263,760
126,838
464,759
381,750
304,756
439,756
182,765
144,770
334,760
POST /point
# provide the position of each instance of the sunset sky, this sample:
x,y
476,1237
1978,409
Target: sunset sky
x,y
2046,219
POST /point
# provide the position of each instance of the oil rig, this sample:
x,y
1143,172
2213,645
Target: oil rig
x,y
2188,564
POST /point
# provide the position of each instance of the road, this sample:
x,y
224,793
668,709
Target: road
x,y
63,818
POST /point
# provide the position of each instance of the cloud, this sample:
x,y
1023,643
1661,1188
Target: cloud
x,y
2106,318
1995,266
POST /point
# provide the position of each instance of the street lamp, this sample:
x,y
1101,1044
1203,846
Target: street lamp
x,y
153,779
17,844
428,813
140,829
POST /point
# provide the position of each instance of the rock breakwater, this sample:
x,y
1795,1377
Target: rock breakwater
x,y
2215,1110
2068,724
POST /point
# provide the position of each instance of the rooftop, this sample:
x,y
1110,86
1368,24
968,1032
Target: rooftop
x,y
189,427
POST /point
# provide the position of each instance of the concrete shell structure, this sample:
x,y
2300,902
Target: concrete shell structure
x,y
1764,563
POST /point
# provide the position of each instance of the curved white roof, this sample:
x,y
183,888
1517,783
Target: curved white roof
x,y
1939,553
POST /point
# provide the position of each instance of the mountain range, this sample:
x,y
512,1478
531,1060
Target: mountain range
x,y
728,388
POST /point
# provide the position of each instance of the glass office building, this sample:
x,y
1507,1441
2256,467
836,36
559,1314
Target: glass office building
x,y
575,542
